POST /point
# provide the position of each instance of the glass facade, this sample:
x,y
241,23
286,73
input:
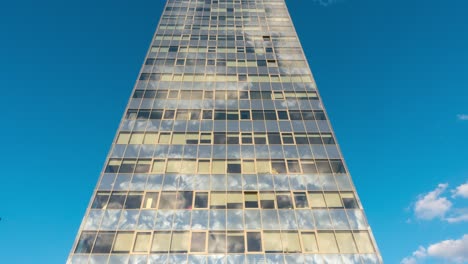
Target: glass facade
x,y
225,153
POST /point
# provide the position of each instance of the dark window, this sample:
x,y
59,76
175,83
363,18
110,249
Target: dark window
x,y
219,138
103,242
308,115
143,114
220,115
184,200
235,243
319,115
293,166
257,115
100,201
156,114
274,138
169,114
337,166
261,63
138,94
254,242
207,114
128,166
85,243
217,242
283,115
234,168
201,200
300,198
255,95
133,201
284,201
117,200
278,166
245,115
270,115
173,48
150,94
161,94
295,115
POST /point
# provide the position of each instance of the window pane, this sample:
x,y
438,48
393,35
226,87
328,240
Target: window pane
x,y
184,200
254,242
133,201
345,242
158,166
317,200
235,242
151,200
248,166
290,242
251,200
218,200
173,166
123,242
363,242
219,167
333,200
189,166
142,242
161,242
283,200
309,242
327,242
204,166
136,138
216,242
349,201
180,242
164,138
201,200
263,166
271,240
86,242
100,201
103,242
267,200
198,242
167,200
150,138
234,200
301,200
123,138
117,200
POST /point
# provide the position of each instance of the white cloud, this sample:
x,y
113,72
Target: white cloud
x,y
462,117
461,190
432,205
418,254
453,251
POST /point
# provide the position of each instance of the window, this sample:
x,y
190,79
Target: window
x,y
167,200
198,243
85,243
161,242
254,242
123,138
363,242
103,242
235,242
316,200
100,200
290,241
300,200
309,242
180,242
158,166
283,200
251,199
116,200
327,242
247,138
203,166
184,200
217,242
278,166
271,240
308,166
293,166
345,242
234,166
142,242
123,242
267,200
151,200
234,200
263,166
333,200
133,200
248,166
218,200
201,200
349,201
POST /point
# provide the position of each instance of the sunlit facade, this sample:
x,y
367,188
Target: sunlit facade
x,y
225,153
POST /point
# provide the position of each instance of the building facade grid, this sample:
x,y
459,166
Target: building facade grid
x,y
225,153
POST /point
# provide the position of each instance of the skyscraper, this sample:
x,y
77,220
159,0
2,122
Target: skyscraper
x,y
225,153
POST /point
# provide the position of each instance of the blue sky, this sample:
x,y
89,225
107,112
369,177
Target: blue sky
x,y
392,74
